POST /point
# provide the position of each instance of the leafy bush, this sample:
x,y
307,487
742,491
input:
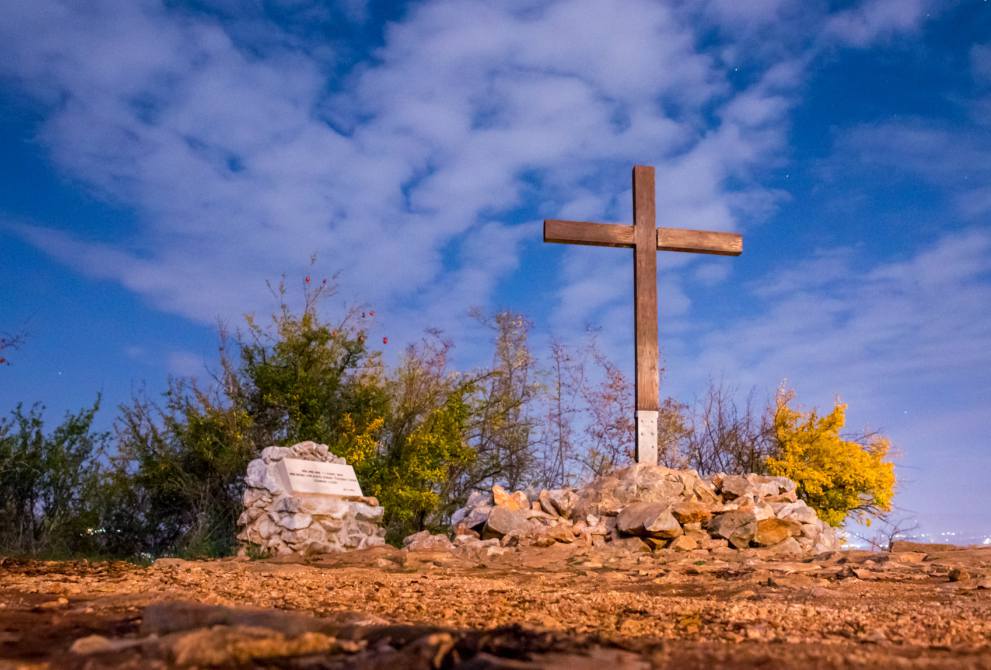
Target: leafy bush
x,y
178,474
835,476
424,440
49,482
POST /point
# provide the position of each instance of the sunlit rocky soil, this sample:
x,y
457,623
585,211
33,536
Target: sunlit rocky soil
x,y
565,606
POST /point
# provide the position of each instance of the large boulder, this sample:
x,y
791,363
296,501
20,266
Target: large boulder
x,y
736,486
426,541
504,521
558,501
796,511
652,519
738,527
773,531
609,494
513,501
691,511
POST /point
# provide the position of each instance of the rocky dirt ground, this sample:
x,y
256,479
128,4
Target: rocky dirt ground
x,y
558,607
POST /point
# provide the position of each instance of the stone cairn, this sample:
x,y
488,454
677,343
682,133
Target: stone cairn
x,y
276,521
650,507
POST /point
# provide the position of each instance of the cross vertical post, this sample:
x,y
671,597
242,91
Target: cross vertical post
x,y
645,314
645,239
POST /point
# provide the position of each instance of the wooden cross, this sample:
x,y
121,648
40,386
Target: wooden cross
x,y
646,239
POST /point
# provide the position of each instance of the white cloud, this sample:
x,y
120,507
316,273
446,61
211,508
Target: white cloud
x,y
235,174
875,20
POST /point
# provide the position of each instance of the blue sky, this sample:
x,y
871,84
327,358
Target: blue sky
x,y
160,161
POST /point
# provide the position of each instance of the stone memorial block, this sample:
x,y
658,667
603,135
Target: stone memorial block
x,y
304,500
319,478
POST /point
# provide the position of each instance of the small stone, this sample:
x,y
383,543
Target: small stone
x,y
705,492
648,518
634,544
259,476
735,486
477,498
827,540
787,547
367,512
97,644
691,512
786,497
521,499
334,508
715,544
273,454
561,533
511,501
287,505
654,543
478,516
958,575
773,531
58,603
908,557
544,500
563,500
737,527
763,486
796,511
426,541
294,521
683,543
91,644
763,511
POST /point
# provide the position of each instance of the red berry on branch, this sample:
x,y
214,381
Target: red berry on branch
x,y
307,280
385,340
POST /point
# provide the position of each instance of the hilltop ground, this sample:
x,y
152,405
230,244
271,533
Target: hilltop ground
x,y
558,607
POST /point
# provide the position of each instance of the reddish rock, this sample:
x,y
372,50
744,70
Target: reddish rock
x,y
512,501
683,543
648,519
774,531
691,512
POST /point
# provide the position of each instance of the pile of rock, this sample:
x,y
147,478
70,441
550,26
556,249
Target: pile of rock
x,y
660,507
278,521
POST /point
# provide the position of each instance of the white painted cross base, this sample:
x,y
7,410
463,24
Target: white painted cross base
x,y
647,436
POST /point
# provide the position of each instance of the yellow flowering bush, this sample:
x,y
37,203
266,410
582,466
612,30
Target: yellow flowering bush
x,y
837,477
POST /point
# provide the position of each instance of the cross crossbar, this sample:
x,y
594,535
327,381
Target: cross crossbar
x,y
621,235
